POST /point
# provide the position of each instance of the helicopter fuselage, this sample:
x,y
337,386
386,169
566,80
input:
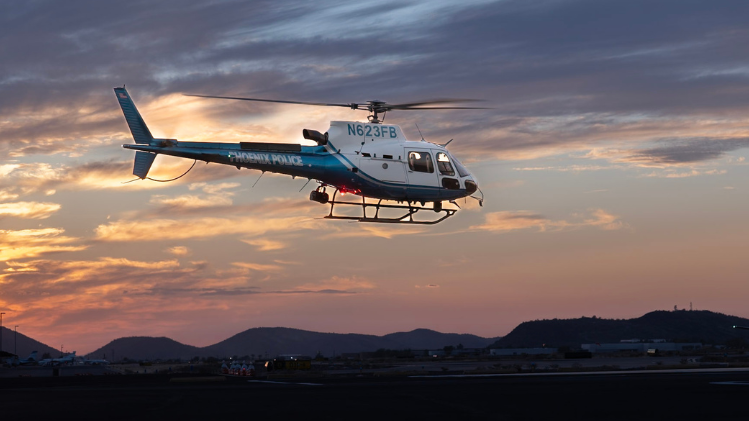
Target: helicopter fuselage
x,y
371,160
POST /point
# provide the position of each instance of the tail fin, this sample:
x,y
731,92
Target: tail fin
x,y
143,161
141,134
138,127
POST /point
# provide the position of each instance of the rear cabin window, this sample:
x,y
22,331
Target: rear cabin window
x,y
443,164
420,161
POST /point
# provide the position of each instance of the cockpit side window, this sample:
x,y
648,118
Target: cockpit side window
x,y
462,171
443,164
420,161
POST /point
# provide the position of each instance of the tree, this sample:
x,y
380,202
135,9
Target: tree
x,y
448,349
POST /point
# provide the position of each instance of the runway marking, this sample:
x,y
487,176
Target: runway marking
x,y
301,384
732,383
586,373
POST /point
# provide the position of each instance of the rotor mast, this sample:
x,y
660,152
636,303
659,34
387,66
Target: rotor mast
x,y
375,107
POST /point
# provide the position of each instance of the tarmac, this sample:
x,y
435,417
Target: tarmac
x,y
643,395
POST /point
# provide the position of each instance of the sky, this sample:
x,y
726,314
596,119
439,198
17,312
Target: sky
x,y
612,160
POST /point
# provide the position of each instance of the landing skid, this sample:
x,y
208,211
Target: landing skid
x,y
407,218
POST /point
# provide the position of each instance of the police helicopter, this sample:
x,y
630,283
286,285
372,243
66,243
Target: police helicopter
x,y
372,160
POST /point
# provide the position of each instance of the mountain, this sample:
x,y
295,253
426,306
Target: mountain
x,y
280,340
145,348
430,339
684,326
272,341
26,345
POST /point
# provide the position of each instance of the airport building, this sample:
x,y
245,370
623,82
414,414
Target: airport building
x,y
504,352
640,347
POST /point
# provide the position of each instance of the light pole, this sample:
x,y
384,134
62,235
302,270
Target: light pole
x,y
15,341
1,332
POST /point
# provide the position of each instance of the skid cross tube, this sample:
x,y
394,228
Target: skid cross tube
x,y
412,210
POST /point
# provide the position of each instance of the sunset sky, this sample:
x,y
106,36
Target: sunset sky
x,y
612,162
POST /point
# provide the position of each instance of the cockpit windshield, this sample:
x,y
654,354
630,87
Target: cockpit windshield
x,y
461,169
443,163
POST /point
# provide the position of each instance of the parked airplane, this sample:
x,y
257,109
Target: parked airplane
x,y
66,360
30,360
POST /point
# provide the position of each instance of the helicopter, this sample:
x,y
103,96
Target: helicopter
x,y
372,160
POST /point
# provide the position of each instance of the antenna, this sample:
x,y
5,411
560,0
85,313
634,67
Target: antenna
x,y
417,128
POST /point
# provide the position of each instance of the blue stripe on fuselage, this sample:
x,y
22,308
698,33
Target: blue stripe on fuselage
x,y
314,162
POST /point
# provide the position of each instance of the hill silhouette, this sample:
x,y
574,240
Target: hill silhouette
x,y
277,340
272,341
26,345
681,326
426,338
145,348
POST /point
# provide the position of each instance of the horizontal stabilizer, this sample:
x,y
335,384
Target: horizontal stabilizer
x,y
143,161
138,127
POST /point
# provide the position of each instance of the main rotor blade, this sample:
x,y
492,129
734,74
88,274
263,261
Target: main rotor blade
x,y
445,108
429,102
274,100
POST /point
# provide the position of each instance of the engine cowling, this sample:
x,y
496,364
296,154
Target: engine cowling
x,y
320,138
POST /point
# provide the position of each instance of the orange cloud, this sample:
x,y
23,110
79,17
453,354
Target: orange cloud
x,y
518,220
28,210
171,229
24,244
190,201
178,251
7,195
34,177
259,267
264,244
337,284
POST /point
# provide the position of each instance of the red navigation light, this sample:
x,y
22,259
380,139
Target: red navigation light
x,y
345,190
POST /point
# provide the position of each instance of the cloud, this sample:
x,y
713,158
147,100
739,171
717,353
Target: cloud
x,y
206,227
259,267
272,206
671,173
560,90
506,221
337,284
62,295
569,168
686,151
28,210
216,197
213,189
189,201
30,243
7,195
263,244
43,177
178,251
